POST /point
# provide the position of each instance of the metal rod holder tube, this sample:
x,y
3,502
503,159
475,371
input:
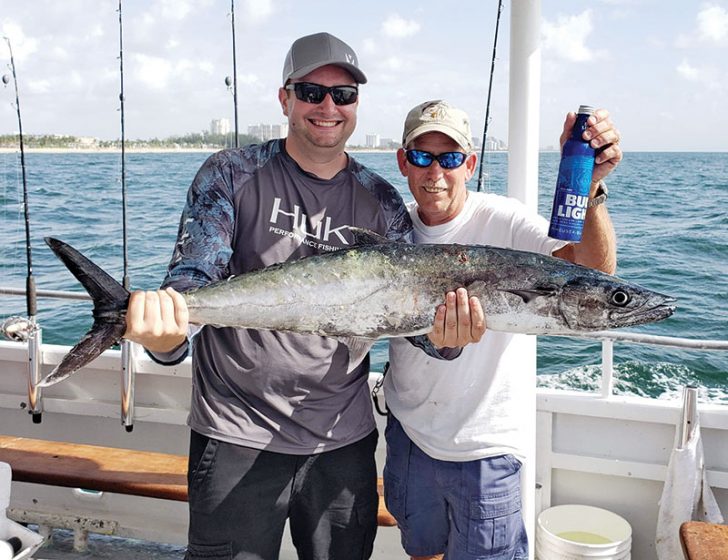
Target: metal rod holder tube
x,y
689,415
128,377
35,399
607,368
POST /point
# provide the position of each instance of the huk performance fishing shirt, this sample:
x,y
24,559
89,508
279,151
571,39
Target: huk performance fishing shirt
x,y
247,209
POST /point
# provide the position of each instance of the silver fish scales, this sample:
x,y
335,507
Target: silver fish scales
x,y
381,289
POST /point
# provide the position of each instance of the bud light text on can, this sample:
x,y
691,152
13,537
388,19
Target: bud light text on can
x,y
573,183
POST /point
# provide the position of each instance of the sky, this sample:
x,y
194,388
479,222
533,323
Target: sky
x,y
660,67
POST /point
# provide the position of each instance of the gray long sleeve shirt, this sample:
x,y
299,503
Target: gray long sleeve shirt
x,y
246,209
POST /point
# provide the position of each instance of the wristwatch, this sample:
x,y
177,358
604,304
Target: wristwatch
x,y
600,197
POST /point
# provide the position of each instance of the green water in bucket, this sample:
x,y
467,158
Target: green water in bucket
x,y
584,537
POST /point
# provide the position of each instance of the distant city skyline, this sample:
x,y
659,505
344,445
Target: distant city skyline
x,y
268,131
663,83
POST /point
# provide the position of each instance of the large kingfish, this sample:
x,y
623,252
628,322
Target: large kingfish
x,y
382,289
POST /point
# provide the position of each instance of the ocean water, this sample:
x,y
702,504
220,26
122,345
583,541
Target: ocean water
x,y
669,211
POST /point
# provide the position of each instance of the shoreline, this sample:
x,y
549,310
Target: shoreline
x,y
151,150
213,150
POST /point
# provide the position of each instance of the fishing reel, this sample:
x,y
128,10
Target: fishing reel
x,y
18,329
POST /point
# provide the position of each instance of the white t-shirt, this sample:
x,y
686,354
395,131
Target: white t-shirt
x,y
468,408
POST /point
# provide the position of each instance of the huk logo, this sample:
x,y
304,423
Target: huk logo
x,y
350,58
321,231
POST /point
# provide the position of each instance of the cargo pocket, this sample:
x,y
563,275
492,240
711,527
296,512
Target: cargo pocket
x,y
394,498
202,471
495,524
209,551
366,516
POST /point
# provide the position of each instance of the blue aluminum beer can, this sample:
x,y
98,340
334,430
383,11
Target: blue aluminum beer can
x,y
573,183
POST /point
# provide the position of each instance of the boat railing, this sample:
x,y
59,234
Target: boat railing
x,y
607,338
57,294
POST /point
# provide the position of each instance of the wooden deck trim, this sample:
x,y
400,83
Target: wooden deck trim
x,y
110,469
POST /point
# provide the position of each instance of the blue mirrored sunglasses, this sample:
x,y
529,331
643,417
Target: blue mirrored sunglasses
x,y
447,160
315,93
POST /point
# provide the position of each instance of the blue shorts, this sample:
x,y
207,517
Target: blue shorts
x,y
468,510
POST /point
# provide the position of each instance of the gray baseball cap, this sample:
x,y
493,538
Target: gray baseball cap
x,y
320,49
438,116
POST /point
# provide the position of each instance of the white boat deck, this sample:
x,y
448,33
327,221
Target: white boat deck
x,y
606,452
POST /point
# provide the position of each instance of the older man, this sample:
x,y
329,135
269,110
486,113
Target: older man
x,y
454,433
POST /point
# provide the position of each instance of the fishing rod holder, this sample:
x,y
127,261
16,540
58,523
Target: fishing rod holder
x,y
35,398
128,381
688,417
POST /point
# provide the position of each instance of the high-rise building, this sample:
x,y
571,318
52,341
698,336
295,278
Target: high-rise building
x,y
220,126
268,131
280,130
372,140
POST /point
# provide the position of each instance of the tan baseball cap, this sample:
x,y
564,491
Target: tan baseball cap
x,y
438,116
320,49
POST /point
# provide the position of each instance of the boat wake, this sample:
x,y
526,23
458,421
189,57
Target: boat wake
x,y
656,380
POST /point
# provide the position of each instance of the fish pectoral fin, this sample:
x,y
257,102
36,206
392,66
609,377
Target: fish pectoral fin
x,y
530,294
358,349
363,236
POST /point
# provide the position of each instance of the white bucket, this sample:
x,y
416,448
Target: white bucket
x,y
29,540
576,532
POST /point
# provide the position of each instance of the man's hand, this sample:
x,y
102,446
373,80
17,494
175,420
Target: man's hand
x,y
603,137
458,322
157,320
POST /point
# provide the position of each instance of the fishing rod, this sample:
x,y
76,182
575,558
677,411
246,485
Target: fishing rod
x,y
35,407
487,104
127,365
235,74
31,302
125,281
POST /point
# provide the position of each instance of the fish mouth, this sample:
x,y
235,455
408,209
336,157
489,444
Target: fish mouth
x,y
657,311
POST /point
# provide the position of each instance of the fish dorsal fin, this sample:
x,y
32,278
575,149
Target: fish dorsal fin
x,y
531,293
363,236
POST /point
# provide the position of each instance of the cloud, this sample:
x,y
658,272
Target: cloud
x,y
23,46
257,11
158,73
711,79
711,28
249,79
369,46
39,86
397,27
393,63
713,24
683,41
566,38
152,71
688,72
175,9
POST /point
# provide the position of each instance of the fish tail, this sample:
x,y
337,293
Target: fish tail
x,y
110,301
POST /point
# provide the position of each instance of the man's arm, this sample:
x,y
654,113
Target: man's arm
x,y
598,245
158,320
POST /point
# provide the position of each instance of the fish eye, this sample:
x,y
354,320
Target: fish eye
x,y
620,298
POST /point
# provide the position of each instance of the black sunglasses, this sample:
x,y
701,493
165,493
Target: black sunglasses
x,y
315,93
447,160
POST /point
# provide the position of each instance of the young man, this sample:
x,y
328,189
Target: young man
x,y
454,434
281,423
